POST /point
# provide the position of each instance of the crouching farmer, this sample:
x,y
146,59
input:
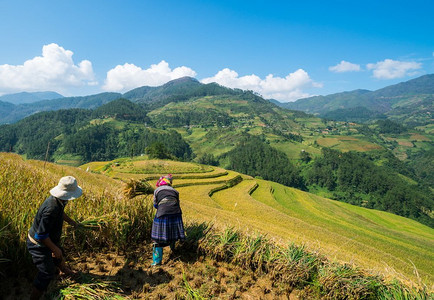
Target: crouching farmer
x,y
43,240
167,227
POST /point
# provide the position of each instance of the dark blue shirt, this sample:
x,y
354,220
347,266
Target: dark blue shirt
x,y
48,221
166,201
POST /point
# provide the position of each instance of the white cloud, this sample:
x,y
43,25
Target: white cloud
x,y
54,70
129,76
345,66
390,69
284,89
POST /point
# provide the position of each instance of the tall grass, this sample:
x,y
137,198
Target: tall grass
x,y
295,267
292,265
116,221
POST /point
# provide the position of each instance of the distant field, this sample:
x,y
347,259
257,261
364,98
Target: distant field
x,y
293,150
378,241
217,145
405,143
429,128
408,144
347,143
419,137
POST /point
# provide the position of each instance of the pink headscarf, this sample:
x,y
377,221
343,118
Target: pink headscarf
x,y
165,180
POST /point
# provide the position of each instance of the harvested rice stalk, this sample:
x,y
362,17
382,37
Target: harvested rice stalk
x,y
96,290
192,293
94,223
134,188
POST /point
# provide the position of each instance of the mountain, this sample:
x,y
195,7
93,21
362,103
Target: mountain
x,y
122,109
25,97
278,103
420,85
178,86
358,114
21,111
409,102
177,90
6,108
320,104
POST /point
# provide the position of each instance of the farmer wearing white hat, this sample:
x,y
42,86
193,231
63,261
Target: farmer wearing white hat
x,y
43,240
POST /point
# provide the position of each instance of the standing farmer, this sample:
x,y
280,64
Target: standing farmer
x,y
43,241
167,227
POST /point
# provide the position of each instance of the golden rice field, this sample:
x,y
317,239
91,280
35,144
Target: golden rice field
x,y
152,168
378,241
24,185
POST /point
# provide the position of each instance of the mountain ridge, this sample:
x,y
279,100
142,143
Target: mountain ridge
x,y
29,97
414,97
17,112
382,101
178,90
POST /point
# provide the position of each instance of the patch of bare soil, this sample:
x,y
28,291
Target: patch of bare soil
x,y
182,275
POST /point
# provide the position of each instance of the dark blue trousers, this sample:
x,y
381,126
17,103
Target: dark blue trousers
x,y
45,263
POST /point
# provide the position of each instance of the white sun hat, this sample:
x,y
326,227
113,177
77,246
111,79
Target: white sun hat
x,y
67,189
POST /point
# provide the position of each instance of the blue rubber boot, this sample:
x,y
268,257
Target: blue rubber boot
x,y
157,255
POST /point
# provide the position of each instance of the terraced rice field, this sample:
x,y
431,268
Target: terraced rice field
x,y
346,143
377,241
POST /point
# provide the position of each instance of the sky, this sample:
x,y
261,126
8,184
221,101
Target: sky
x,y
284,50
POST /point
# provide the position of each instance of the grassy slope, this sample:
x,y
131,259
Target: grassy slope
x,y
370,238
375,240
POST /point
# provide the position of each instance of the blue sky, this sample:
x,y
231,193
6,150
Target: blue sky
x,y
281,49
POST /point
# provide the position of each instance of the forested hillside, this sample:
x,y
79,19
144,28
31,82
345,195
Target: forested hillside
x,y
254,157
177,90
74,132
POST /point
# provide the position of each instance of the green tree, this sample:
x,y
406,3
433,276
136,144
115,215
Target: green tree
x,y
305,156
208,159
158,151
